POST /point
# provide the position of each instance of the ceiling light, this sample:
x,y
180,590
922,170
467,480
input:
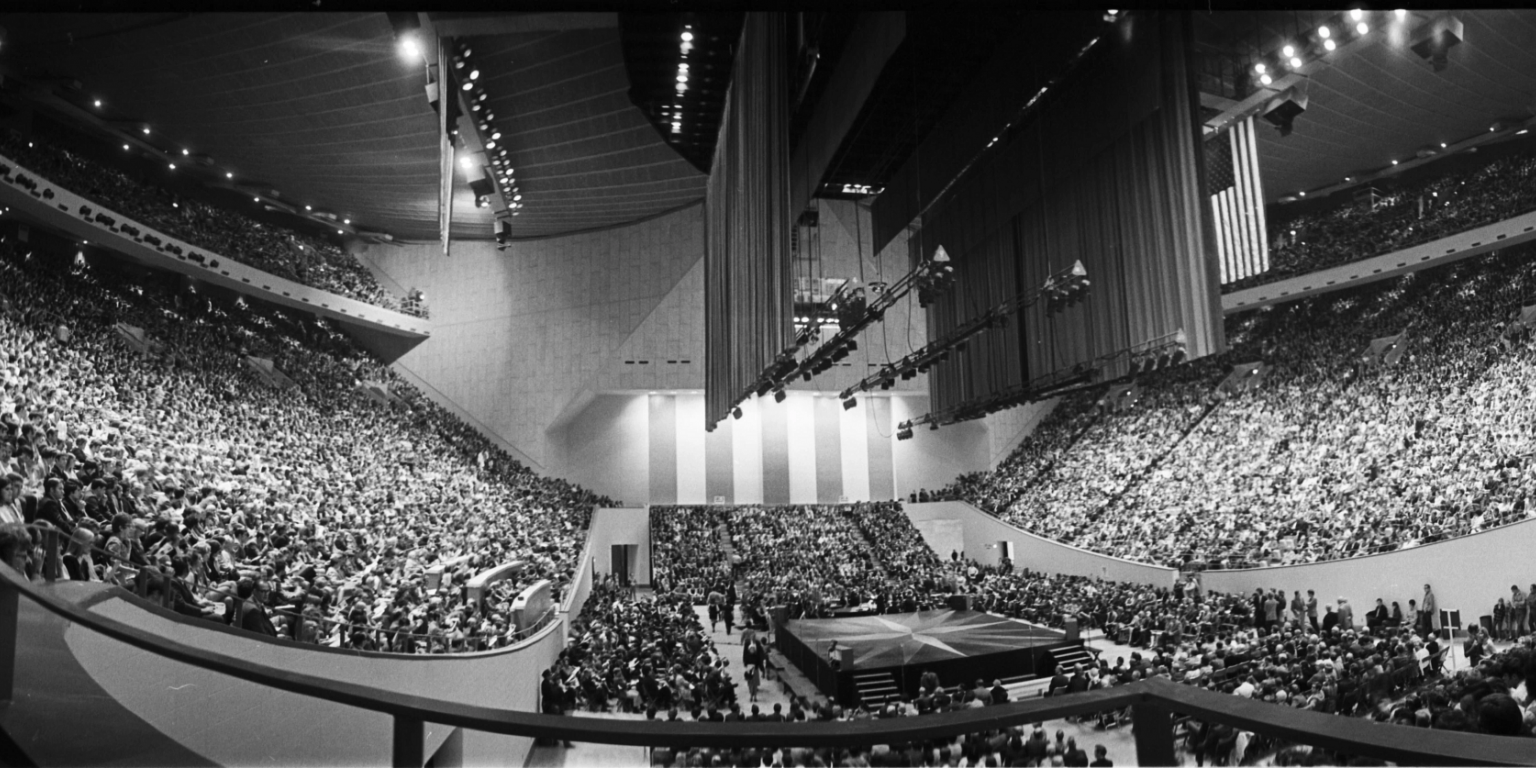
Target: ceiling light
x,y
98,103
1265,79
682,78
228,175
173,166
146,130
1402,13
496,135
468,85
409,48
490,145
464,161
1356,14
1442,145
1259,67
1348,178
339,232
185,152
1324,32
683,67
515,198
687,47
1303,194
255,199
682,87
307,208
1330,45
1289,51
1295,63
1394,162
1522,131
125,147
474,74
687,37
1362,28
346,221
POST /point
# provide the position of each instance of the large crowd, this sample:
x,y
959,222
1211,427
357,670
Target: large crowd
x,y
312,513
1402,216
227,234
1334,454
1387,663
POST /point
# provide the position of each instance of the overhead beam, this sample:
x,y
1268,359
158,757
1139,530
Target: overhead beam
x,y
501,23
875,37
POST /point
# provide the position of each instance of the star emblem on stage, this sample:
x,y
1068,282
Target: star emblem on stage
x,y
919,638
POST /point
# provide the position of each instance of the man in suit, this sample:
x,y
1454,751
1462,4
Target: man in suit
x,y
1346,614
1429,612
51,508
252,614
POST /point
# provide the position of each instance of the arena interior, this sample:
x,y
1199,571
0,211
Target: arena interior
x,y
956,386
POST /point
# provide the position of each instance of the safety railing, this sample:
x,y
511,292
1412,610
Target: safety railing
x,y
1151,702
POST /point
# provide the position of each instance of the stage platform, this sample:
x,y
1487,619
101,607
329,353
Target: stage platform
x,y
959,646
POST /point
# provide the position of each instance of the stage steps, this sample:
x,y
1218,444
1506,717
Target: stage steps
x,y
876,687
1069,658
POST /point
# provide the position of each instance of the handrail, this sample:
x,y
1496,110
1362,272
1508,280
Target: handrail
x,y
1151,700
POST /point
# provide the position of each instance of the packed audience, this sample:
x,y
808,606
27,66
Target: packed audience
x,y
225,233
1405,215
1332,455
312,513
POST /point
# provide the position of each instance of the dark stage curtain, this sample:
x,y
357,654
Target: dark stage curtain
x,y
748,310
1108,173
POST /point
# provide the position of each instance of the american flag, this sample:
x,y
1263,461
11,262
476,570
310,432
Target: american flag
x,y
1237,203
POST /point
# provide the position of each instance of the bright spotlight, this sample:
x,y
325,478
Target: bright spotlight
x,y
1266,79
1324,32
125,147
255,199
682,78
1362,28
468,85
1356,14
1330,45
409,48
228,175
97,103
496,136
474,74
687,37
186,152
1259,67
146,130
1289,51
173,166
1295,63
1401,13
464,161
1394,162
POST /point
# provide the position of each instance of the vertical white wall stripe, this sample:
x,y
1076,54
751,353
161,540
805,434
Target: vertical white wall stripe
x,y
690,450
855,450
1258,196
802,447
747,452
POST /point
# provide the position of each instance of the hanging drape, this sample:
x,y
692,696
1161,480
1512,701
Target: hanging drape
x,y
748,305
1108,173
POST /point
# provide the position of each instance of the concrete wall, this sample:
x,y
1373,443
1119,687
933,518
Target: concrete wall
x,y
982,532
206,711
624,525
1469,574
652,448
519,335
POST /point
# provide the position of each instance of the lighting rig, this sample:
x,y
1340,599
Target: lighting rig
x,y
1162,351
929,278
1064,289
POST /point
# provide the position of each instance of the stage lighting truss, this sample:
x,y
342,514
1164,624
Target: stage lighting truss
x,y
1066,288
854,312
